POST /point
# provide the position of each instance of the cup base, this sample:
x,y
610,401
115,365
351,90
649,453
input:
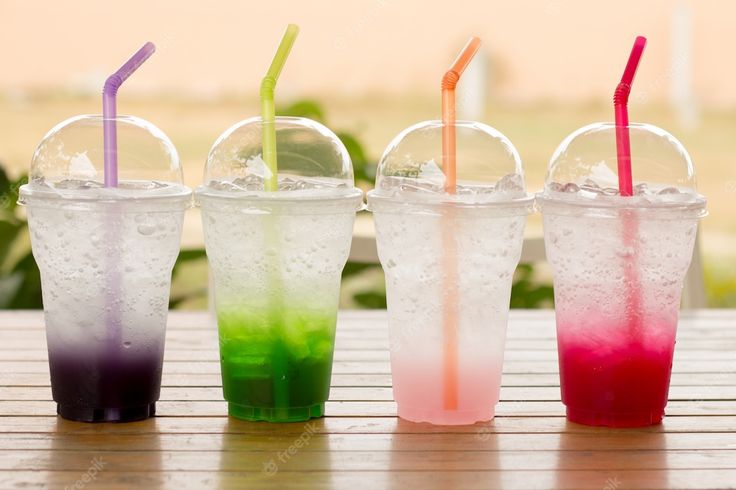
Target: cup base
x,y
445,417
127,414
615,419
268,414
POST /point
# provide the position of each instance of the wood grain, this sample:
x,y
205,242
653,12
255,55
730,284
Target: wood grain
x,y
360,443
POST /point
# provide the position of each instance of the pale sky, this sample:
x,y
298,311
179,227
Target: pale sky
x,y
539,49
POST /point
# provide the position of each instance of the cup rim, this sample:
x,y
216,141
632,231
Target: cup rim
x,y
615,204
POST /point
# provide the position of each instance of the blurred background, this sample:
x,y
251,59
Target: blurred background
x,y
368,69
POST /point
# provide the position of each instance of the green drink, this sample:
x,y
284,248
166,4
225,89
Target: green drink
x,y
276,258
276,365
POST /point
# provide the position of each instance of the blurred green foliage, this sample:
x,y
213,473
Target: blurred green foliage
x,y
20,281
363,170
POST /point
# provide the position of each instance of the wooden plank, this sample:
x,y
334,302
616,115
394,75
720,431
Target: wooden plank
x,y
382,393
611,441
352,425
695,479
369,409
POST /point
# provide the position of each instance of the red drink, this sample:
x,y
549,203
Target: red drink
x,y
617,377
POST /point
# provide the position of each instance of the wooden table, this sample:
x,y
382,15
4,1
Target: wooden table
x,y
361,444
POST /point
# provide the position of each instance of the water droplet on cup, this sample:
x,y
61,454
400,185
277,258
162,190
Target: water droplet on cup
x,y
146,229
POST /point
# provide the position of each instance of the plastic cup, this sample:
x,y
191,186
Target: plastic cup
x,y
449,261
276,258
618,265
105,257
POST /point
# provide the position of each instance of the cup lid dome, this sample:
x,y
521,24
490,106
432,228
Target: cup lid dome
x,y
74,151
584,170
311,159
488,166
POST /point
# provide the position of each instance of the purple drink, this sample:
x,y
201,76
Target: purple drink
x,y
105,255
100,388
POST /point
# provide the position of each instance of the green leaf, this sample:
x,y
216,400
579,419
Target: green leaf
x,y
8,234
185,256
5,184
371,300
28,295
353,268
303,108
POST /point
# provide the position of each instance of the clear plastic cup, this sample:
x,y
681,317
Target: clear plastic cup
x,y
618,265
105,257
449,261
276,258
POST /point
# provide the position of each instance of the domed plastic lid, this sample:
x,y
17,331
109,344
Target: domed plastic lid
x,y
489,169
312,163
584,170
69,162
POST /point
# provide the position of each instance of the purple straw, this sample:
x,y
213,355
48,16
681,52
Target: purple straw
x,y
109,110
109,128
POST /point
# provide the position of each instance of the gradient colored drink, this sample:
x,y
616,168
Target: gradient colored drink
x,y
105,257
411,250
277,244
449,258
105,254
277,283
616,330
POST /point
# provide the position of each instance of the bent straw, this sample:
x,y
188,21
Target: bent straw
x,y
449,83
620,101
268,107
625,179
110,152
109,110
450,296
280,355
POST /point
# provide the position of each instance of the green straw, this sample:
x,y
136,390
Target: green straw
x,y
280,353
268,108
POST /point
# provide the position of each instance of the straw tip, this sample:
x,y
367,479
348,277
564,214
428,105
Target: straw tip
x,y
292,29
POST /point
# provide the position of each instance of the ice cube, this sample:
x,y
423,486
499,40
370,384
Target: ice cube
x,y
641,189
141,185
668,190
223,185
416,185
287,184
75,184
590,188
570,188
251,182
510,183
464,190
610,191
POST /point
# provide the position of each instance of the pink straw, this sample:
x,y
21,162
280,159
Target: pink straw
x,y
109,110
626,188
620,101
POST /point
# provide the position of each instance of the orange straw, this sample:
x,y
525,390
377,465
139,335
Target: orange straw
x,y
449,166
449,82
